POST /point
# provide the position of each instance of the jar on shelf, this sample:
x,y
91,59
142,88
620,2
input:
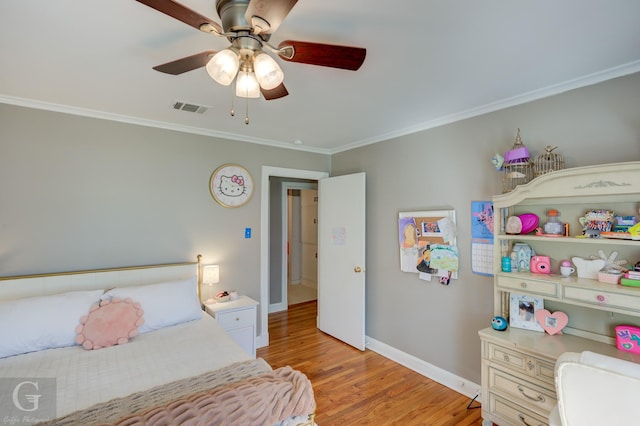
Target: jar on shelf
x,y
547,162
517,166
553,225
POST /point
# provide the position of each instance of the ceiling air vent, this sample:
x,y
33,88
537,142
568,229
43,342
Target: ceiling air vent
x,y
184,106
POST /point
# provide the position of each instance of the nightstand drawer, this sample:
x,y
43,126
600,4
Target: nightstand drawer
x,y
238,318
544,288
521,391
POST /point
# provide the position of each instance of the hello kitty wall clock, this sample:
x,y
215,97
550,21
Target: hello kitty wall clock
x,y
231,185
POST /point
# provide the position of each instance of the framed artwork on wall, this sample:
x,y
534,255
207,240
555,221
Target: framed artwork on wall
x,y
231,185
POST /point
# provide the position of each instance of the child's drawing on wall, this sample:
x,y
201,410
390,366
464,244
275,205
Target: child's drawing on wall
x,y
408,244
425,261
407,232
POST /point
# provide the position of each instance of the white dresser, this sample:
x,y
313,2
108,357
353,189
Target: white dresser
x,y
238,318
518,365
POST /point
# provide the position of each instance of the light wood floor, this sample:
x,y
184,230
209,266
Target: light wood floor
x,y
359,388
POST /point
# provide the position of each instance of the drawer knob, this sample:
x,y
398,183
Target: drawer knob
x,y
600,298
506,357
530,365
523,284
237,319
538,398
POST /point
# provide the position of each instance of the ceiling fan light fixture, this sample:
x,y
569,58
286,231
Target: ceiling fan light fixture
x,y
268,72
223,66
247,85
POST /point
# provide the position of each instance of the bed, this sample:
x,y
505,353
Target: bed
x,y
132,346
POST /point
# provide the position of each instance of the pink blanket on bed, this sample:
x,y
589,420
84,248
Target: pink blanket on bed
x,y
261,400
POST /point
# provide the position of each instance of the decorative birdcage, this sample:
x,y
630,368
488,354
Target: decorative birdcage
x,y
547,161
517,167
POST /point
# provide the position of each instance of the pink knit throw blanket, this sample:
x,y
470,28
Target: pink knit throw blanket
x,y
244,393
262,400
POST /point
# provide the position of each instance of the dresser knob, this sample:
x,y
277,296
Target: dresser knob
x,y
506,358
600,298
530,365
523,284
237,319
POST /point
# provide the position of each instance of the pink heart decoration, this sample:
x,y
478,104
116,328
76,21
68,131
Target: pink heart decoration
x,y
552,323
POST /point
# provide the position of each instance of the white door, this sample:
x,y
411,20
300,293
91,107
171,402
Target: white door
x,y
341,258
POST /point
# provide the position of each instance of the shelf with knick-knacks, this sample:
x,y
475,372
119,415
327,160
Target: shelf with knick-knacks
x,y
517,364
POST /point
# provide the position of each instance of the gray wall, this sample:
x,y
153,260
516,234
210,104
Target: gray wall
x,y
448,167
81,193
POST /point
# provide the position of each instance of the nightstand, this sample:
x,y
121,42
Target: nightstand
x,y
238,318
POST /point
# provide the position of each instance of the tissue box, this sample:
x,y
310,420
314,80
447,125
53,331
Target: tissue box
x,y
628,338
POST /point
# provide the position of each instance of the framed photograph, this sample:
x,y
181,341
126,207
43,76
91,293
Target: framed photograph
x,y
522,311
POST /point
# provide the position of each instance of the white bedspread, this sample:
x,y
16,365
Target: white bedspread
x,y
85,378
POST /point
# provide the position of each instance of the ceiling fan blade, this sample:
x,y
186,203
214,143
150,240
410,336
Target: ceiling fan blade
x,y
277,93
326,55
272,12
184,14
183,65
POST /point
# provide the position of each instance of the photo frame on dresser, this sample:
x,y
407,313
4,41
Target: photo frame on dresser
x,y
522,311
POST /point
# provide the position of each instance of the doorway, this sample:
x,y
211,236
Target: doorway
x,y
272,259
291,258
300,283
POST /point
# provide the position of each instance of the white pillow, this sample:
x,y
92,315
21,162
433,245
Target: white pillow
x,y
164,304
37,323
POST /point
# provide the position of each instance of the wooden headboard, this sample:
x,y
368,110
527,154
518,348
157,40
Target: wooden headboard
x,y
47,284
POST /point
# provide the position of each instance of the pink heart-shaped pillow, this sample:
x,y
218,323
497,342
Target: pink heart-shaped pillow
x,y
552,323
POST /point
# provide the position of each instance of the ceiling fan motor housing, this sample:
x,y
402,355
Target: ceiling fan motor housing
x,y
232,16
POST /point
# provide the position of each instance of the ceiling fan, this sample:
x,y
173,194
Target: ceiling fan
x,y
248,25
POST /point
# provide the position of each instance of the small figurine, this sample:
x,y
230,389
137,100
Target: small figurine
x,y
499,323
497,161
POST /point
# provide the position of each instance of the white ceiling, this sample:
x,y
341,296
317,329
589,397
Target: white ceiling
x,y
429,62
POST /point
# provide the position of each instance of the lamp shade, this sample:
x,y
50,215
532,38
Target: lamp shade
x,y
211,274
223,66
247,85
268,72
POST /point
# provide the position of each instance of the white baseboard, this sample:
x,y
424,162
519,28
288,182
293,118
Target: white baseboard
x,y
450,380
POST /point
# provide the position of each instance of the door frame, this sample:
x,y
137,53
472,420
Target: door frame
x,y
268,171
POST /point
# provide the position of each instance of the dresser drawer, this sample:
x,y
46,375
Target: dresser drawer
x,y
543,288
507,357
513,413
602,298
238,318
524,393
517,361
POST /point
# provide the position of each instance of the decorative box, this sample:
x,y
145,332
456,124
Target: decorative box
x,y
609,277
628,338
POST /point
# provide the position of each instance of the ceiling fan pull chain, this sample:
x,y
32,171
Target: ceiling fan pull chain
x,y
246,114
233,111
